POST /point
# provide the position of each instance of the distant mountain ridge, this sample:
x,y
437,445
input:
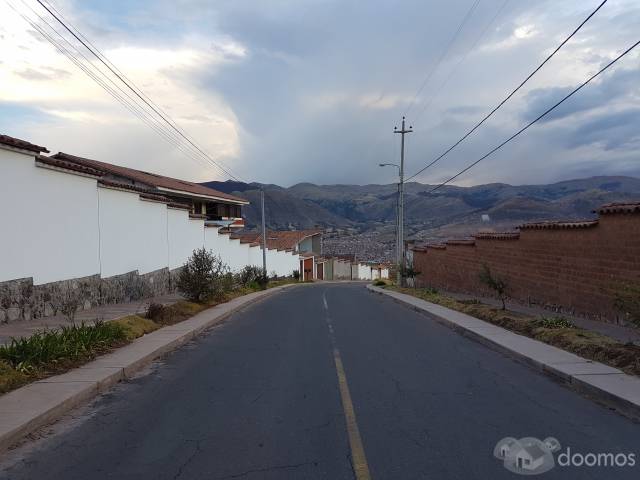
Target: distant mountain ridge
x,y
361,218
306,205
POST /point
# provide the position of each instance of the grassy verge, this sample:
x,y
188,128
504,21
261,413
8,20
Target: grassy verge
x,y
51,352
554,330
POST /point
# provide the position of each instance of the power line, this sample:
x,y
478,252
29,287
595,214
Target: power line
x,y
124,76
131,106
464,137
545,113
443,55
134,90
462,59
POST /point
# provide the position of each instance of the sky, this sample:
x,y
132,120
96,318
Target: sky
x,y
290,91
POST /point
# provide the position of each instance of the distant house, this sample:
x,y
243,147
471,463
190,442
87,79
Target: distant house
x,y
217,208
306,243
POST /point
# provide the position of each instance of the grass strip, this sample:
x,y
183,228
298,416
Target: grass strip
x,y
553,330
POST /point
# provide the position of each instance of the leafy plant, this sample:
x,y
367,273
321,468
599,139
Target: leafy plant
x,y
379,282
296,274
156,311
497,284
68,343
627,301
201,277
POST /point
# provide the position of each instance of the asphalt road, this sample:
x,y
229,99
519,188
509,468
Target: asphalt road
x,y
259,397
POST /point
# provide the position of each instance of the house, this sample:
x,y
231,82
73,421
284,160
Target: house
x,y
101,233
306,243
217,208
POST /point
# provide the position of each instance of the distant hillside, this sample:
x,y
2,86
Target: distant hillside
x,y
370,210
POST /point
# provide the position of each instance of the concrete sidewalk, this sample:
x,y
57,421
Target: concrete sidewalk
x,y
32,406
24,328
609,385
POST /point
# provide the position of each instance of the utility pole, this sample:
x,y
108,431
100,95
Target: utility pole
x,y
264,236
401,267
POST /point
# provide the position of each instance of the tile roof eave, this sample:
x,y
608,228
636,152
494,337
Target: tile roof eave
x,y
21,144
157,181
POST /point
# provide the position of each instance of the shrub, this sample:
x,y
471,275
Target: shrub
x,y
555,322
200,278
156,312
250,273
627,301
497,284
69,304
296,275
379,283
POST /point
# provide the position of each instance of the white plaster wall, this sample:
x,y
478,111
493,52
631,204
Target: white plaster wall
x,y
341,270
375,273
384,273
48,222
255,256
364,272
58,226
133,233
282,262
185,235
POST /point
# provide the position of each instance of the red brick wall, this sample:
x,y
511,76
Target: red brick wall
x,y
575,270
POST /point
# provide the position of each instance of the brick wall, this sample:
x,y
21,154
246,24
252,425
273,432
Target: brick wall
x,y
572,267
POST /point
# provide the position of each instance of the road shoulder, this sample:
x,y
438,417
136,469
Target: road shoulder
x,y
26,409
605,384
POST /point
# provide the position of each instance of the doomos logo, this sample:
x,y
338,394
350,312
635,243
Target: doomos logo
x,y
531,456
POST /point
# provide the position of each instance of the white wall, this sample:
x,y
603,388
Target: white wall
x,y
364,272
133,233
48,221
384,273
185,235
57,226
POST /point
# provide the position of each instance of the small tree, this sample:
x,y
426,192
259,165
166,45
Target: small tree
x,y
627,301
296,274
411,273
497,284
200,278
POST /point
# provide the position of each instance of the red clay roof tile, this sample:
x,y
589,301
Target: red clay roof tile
x,y
152,179
23,144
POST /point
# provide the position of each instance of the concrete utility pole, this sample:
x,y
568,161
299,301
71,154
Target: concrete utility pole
x,y
401,267
264,236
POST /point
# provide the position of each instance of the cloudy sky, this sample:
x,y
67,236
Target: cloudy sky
x,y
288,91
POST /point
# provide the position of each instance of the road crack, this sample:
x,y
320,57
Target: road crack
x,y
269,469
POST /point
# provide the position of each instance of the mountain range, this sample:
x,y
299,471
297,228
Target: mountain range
x,y
361,218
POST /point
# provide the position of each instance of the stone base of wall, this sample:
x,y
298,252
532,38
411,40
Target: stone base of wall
x,y
22,300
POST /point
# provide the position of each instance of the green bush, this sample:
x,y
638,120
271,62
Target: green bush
x,y
203,277
68,343
249,274
379,282
296,274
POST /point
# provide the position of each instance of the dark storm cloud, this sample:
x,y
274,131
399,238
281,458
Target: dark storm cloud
x,y
615,86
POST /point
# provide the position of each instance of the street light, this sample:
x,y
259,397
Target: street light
x,y
398,233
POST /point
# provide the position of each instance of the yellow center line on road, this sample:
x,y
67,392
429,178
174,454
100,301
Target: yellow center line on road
x,y
358,457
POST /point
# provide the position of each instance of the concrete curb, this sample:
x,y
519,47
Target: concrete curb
x,y
605,384
28,408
